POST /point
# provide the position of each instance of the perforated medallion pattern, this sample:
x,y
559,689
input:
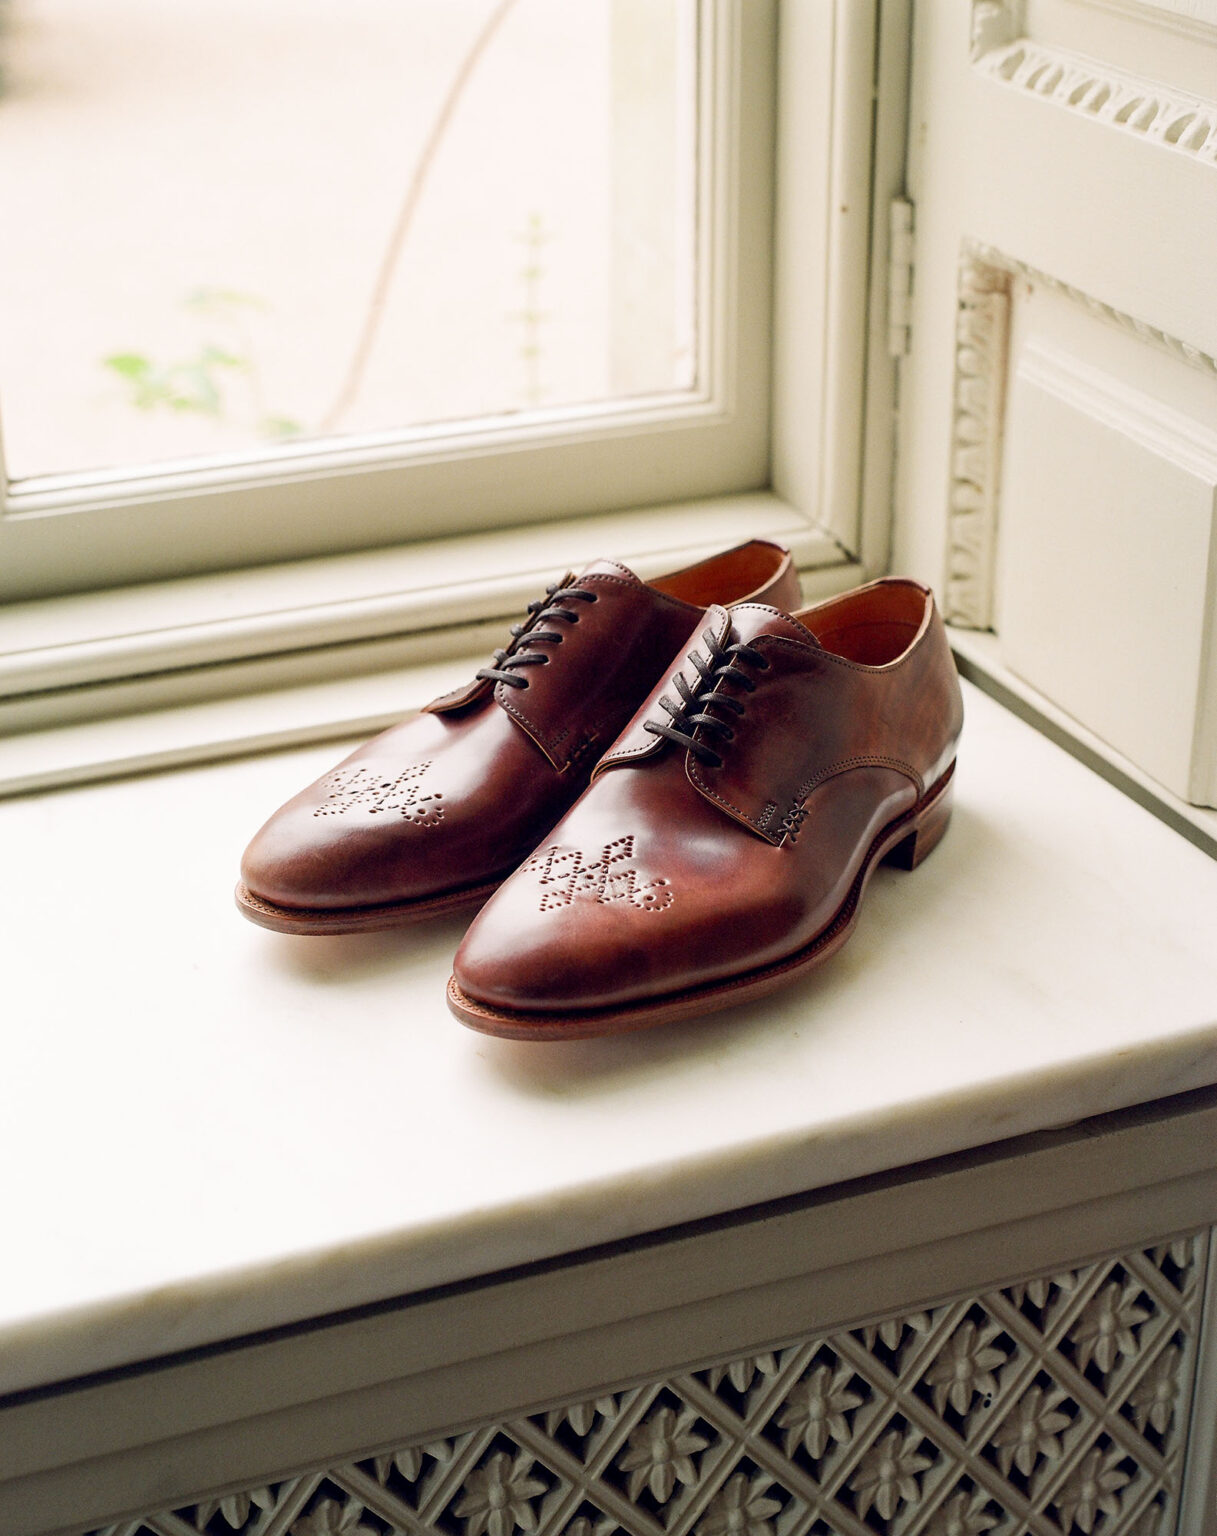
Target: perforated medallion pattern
x,y
566,875
1055,1406
350,789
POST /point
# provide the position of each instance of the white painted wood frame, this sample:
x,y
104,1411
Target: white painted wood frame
x,y
826,396
376,489
1058,450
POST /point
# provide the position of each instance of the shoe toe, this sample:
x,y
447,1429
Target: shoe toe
x,y
522,954
528,973
293,863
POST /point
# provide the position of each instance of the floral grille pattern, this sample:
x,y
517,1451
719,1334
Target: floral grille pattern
x,y
1054,1406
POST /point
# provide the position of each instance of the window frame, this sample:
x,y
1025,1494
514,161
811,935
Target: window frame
x,y
823,484
279,502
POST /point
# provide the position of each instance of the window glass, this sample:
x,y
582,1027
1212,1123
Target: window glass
x,y
230,224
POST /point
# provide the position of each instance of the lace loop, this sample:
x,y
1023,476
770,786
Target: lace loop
x,y
690,714
505,664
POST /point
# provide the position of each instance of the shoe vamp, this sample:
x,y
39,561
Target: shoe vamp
x,y
647,890
431,805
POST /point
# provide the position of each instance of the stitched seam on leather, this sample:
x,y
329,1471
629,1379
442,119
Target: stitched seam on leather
x,y
844,766
886,669
866,760
809,644
691,766
640,586
550,744
629,754
738,811
714,989
541,740
479,687
650,748
788,642
847,764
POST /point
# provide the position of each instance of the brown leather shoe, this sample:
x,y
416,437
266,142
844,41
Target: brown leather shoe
x,y
728,836
431,815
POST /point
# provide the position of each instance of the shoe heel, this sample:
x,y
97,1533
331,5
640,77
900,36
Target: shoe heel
x,y
927,833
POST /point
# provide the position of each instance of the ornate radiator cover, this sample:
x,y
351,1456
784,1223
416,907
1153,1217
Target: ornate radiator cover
x,y
1056,1405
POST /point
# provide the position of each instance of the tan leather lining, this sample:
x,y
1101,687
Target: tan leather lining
x,y
872,626
872,644
727,577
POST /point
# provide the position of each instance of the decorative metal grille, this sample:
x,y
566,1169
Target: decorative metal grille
x,y
1057,1405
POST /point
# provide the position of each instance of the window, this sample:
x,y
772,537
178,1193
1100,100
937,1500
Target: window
x,y
326,266
779,425
320,221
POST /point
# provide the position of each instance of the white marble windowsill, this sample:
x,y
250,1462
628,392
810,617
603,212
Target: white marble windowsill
x,y
209,1129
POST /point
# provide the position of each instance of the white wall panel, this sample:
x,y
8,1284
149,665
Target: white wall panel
x,y
1105,582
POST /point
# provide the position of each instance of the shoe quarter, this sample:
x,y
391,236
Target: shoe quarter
x,y
479,687
635,742
604,667
815,715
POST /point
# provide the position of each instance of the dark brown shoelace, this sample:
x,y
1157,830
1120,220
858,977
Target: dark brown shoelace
x,y
690,713
503,667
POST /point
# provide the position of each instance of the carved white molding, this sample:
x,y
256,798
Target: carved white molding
x,y
1160,114
1060,1404
1184,351
982,340
1156,112
995,23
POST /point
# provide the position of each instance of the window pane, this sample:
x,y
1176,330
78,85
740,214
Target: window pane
x,y
230,223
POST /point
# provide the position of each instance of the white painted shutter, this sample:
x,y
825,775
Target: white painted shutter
x,y
1058,435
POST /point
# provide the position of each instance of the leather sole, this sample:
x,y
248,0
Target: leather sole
x,y
395,914
904,842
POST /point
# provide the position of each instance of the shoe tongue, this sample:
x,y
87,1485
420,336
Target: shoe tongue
x,y
751,620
